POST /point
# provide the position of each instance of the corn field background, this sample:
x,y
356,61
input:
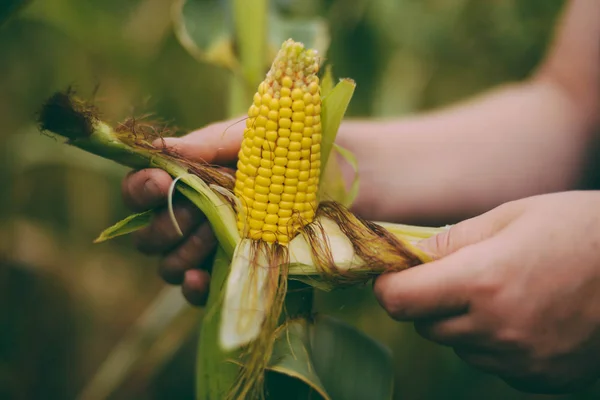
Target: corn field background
x,y
66,303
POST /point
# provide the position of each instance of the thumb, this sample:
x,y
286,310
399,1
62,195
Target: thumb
x,y
217,143
471,231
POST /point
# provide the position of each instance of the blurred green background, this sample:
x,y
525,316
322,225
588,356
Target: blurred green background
x,y
67,303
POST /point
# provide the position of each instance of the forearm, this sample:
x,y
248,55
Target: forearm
x,y
514,142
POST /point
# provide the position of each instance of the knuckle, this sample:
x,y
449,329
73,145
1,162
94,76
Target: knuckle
x,y
512,337
171,270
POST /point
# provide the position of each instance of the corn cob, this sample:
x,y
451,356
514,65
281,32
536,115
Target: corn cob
x,y
279,160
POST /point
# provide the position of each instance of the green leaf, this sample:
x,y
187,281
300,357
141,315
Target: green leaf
x,y
215,374
128,225
205,29
334,359
333,109
350,365
349,157
334,105
327,81
292,357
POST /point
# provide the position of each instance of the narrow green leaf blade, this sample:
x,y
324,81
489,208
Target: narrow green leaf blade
x,y
350,365
334,107
128,225
349,157
327,81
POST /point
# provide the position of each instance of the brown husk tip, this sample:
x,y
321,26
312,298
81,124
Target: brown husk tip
x,y
66,115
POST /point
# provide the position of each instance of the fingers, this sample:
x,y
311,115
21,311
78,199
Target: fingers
x,y
434,290
473,230
215,144
484,359
162,236
192,253
195,286
452,331
145,189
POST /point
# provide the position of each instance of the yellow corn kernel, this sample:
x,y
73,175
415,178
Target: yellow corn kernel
x,y
297,126
269,237
278,179
261,197
256,224
280,151
259,132
285,102
293,164
298,116
271,136
274,198
278,169
270,125
285,113
284,214
287,198
276,188
292,173
260,206
300,197
290,189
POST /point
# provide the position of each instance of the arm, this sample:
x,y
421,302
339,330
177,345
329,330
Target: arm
x,y
516,141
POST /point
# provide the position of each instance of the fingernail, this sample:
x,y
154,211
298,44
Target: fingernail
x,y
151,190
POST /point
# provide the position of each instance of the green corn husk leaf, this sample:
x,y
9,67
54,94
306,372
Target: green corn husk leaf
x,y
350,365
327,81
215,375
333,109
128,225
292,357
334,105
349,195
335,360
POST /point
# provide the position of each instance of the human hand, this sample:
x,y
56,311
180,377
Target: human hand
x,y
515,292
185,259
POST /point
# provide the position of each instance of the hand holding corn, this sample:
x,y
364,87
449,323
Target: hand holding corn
x,y
185,259
515,292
